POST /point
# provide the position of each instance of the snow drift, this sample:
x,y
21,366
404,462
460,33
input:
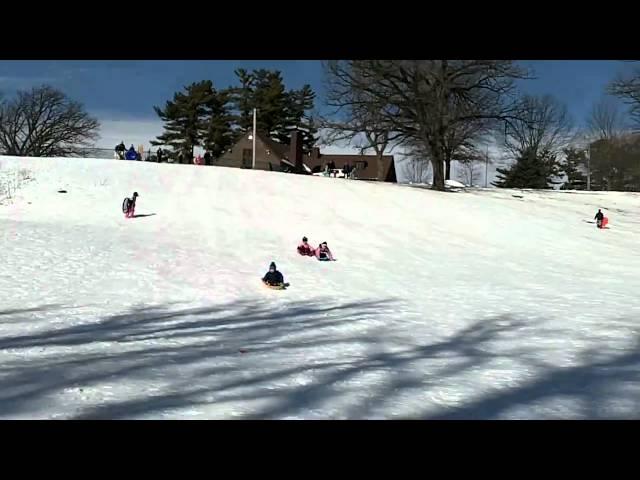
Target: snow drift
x,y
473,304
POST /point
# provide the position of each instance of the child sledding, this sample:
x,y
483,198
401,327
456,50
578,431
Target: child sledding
x,y
322,253
305,249
274,279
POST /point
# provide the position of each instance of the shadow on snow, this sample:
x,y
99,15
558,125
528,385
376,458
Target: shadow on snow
x,y
300,358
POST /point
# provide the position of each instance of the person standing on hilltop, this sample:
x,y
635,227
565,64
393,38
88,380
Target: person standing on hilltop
x,y
120,149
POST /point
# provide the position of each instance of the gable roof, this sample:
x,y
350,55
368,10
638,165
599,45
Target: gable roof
x,y
278,148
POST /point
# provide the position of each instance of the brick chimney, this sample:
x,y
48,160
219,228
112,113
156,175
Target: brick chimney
x,y
295,151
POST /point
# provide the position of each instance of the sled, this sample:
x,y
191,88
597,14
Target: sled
x,y
605,221
282,286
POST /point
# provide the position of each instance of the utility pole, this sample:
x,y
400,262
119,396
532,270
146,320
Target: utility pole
x,y
486,168
253,161
588,166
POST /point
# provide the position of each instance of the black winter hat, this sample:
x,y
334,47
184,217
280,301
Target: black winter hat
x,y
273,265
135,194
304,239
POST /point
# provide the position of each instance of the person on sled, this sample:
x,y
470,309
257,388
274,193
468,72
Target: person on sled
x,y
323,252
305,249
273,277
598,218
129,205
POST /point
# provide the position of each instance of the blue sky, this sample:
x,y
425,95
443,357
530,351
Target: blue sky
x,y
122,93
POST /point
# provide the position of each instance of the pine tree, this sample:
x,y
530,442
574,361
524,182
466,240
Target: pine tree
x,y
264,90
270,99
299,103
219,134
279,111
243,101
530,171
185,119
576,180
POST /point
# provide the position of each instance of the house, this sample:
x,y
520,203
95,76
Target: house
x,y
274,156
270,155
366,165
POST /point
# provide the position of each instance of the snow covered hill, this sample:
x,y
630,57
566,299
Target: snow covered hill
x,y
473,304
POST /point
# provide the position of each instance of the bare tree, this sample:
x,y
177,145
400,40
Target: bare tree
x,y
425,101
471,164
416,169
416,163
627,88
544,125
605,120
44,122
352,121
470,172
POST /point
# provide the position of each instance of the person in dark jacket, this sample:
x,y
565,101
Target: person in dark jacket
x,y
159,155
120,149
599,217
207,158
273,277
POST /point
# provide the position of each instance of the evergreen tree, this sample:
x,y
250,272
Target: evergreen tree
x,y
279,111
264,90
576,180
299,103
219,135
270,98
185,119
243,102
530,171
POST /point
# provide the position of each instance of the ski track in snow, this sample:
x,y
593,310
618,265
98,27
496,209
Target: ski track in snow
x,y
474,304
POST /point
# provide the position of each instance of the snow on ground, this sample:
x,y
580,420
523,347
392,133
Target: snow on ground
x,y
468,304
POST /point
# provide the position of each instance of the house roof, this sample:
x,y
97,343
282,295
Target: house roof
x,y
278,148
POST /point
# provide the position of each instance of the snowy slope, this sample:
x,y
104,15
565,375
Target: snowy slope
x,y
475,304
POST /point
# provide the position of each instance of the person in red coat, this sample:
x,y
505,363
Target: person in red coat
x,y
305,249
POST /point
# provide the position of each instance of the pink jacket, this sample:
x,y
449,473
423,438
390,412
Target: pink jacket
x,y
326,250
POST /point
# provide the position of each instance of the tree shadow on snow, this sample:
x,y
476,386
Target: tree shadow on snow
x,y
41,308
247,360
144,215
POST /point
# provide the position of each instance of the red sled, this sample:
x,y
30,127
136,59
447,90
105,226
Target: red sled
x,y
604,223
